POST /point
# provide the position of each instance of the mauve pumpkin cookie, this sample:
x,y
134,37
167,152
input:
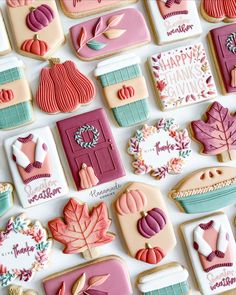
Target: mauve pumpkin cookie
x,y
36,27
143,208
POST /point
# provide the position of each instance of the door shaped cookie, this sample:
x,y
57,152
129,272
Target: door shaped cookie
x,y
15,96
124,88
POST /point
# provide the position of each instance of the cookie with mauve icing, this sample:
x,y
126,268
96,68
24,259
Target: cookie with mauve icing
x,y
142,207
36,27
35,166
212,250
173,20
82,8
109,34
220,10
101,276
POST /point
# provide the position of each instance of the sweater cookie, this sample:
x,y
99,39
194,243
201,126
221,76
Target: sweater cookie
x,y
150,235
173,20
109,34
212,251
182,76
5,46
108,275
83,8
36,27
124,88
35,167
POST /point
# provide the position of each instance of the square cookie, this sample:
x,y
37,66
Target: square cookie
x,y
173,20
91,149
212,251
35,167
182,76
223,47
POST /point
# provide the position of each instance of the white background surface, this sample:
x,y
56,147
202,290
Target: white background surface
x,y
53,209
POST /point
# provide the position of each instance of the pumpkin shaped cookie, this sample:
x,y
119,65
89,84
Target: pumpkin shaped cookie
x,y
149,236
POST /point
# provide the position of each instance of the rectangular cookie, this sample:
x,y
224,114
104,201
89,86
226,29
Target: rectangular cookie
x,y
173,20
5,46
171,278
91,149
83,8
222,44
107,275
124,88
182,76
212,251
15,96
35,167
109,34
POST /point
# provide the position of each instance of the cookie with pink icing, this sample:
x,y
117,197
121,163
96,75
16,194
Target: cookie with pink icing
x,y
35,166
160,150
143,208
173,20
220,10
109,34
82,8
101,276
216,133
24,249
63,88
212,250
36,27
182,76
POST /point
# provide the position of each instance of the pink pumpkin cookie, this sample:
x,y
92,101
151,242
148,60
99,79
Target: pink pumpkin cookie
x,y
108,275
212,250
182,76
173,20
82,231
218,10
109,34
216,133
36,27
161,149
82,8
141,206
24,250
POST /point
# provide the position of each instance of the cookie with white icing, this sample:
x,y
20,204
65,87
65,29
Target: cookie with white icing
x,y
212,251
18,290
5,46
206,190
35,166
173,20
169,279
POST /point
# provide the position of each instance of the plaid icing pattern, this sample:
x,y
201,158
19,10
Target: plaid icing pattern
x,y
177,289
10,75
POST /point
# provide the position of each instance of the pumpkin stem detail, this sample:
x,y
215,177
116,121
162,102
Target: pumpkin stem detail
x,y
32,9
54,61
148,246
36,37
143,213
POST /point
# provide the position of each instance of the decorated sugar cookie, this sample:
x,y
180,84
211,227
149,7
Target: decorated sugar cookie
x,y
35,166
82,8
36,27
6,197
142,207
18,290
216,133
15,96
217,11
91,149
173,20
206,190
124,88
160,149
171,278
222,44
63,88
99,277
5,46
212,251
24,250
182,76
82,231
109,34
